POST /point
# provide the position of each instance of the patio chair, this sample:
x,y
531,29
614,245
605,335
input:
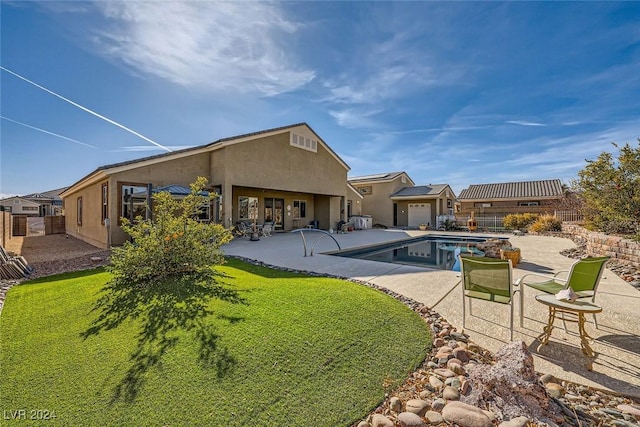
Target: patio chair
x,y
489,279
584,277
266,230
244,230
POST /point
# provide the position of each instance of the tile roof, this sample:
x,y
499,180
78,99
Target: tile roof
x,y
513,190
420,190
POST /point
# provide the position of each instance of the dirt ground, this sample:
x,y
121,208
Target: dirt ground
x,y
56,253
54,247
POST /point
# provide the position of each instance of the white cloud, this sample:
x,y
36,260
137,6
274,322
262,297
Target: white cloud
x,y
524,123
355,118
231,46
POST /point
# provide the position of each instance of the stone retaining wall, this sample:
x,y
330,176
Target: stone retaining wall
x,y
618,248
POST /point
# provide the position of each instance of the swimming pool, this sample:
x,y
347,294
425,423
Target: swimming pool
x,y
431,251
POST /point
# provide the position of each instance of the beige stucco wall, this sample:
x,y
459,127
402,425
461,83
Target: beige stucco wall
x,y
181,171
267,166
92,230
378,204
271,162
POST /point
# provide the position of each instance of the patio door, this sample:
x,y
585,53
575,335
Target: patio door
x,y
274,212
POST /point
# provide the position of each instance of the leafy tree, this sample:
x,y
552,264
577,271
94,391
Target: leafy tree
x,y
610,189
174,245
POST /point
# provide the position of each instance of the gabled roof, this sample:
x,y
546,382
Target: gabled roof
x,y
381,177
420,191
355,190
551,188
102,171
23,202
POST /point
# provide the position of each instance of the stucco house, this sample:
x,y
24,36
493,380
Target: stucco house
x,y
393,200
501,199
20,206
288,175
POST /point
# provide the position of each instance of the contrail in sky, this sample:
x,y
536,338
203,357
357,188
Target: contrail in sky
x,y
46,131
86,109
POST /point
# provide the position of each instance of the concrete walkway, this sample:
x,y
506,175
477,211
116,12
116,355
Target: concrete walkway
x,y
616,342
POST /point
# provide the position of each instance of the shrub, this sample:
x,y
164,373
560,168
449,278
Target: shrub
x,y
610,189
546,222
519,221
172,245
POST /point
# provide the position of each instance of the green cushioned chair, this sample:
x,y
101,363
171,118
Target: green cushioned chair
x,y
583,277
489,279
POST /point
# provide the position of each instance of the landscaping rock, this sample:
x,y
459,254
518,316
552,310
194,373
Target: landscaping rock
x,y
409,419
364,424
395,404
450,393
417,406
379,420
554,390
510,387
515,422
436,382
465,415
629,409
434,417
438,404
461,354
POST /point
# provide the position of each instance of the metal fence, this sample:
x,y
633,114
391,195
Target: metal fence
x,y
495,223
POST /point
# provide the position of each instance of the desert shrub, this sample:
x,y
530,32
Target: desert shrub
x,y
519,221
546,222
172,245
610,189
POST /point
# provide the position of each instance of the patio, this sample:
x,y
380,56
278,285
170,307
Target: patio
x,y
616,342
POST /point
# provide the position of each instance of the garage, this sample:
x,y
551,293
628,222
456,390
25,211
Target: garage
x,y
419,213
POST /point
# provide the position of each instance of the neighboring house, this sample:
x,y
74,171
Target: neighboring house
x,y
393,200
50,201
287,175
20,206
501,199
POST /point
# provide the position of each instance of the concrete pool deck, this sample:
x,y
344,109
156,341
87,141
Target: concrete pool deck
x,y
616,342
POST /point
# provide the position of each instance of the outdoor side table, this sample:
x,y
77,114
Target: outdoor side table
x,y
579,309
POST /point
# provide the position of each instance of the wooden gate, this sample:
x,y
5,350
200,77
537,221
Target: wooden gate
x,y
19,225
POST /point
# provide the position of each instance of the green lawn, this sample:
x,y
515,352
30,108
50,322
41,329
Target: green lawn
x,y
277,349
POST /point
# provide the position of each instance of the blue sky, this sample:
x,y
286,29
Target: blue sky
x,y
450,92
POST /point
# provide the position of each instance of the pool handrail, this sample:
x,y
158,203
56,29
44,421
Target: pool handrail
x,y
304,241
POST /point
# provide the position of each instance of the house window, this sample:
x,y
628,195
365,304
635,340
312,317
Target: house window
x,y
366,191
132,207
204,214
247,208
79,210
528,203
299,209
29,208
448,203
482,205
105,202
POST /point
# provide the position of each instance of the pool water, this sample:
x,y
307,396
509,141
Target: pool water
x,y
431,251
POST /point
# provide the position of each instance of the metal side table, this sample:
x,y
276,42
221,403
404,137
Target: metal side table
x,y
578,309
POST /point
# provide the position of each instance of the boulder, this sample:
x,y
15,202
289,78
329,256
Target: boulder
x,y
510,387
417,406
492,247
465,415
409,419
379,420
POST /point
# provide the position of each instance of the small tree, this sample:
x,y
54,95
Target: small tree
x,y
172,245
611,191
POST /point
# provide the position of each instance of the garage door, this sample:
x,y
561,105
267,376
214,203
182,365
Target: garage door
x,y
419,213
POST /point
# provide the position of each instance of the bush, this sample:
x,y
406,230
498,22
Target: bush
x,y
172,245
546,222
610,189
519,221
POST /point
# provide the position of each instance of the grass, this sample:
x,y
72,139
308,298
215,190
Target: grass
x,y
270,348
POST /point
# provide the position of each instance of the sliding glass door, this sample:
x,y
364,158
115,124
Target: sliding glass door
x,y
274,212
